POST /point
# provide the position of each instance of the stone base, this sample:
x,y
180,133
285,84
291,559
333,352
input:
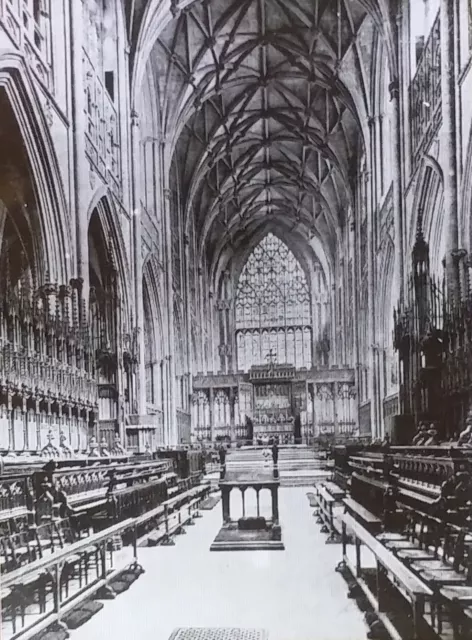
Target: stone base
x,y
231,538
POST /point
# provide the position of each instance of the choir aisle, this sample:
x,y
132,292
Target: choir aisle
x,y
293,594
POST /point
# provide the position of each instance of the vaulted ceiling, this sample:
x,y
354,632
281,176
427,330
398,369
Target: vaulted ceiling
x,y
265,104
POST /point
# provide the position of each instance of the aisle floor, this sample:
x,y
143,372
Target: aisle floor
x,y
293,594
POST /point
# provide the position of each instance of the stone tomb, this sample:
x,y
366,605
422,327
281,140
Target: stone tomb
x,y
255,532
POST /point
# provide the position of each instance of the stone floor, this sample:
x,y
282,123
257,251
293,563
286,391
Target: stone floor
x,y
293,594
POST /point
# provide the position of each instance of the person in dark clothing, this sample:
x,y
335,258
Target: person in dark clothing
x,y
222,454
275,452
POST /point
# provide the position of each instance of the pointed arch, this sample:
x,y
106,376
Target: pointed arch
x,y
154,346
102,205
53,221
428,210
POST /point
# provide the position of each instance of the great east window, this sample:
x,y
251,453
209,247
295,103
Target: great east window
x,y
273,308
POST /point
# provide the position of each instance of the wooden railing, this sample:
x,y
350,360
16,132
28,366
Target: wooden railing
x,y
43,592
92,567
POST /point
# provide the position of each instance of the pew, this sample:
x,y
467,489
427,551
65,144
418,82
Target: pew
x,y
325,510
371,522
59,583
387,567
421,499
174,514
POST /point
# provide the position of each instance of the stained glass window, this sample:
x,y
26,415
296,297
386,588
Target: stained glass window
x,y
273,308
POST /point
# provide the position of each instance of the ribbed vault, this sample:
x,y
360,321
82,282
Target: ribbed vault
x,y
264,103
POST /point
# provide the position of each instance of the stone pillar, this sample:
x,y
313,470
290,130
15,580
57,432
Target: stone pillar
x,y
333,353
397,191
225,502
189,313
222,330
371,307
81,171
448,97
170,299
138,266
335,409
211,398
211,325
232,421
168,391
201,359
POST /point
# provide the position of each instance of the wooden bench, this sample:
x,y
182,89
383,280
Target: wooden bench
x,y
184,507
325,513
388,567
57,574
336,492
370,521
312,499
173,524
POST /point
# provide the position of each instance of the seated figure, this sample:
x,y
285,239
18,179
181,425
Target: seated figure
x,y
118,448
104,448
431,437
94,451
64,445
421,435
465,437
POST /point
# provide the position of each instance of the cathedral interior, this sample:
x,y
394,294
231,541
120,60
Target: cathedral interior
x,y
235,293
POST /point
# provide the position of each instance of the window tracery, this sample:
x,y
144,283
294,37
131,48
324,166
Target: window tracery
x,y
273,308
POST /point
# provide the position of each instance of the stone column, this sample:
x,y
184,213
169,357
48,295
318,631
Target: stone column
x,y
170,295
211,397
448,97
335,409
333,352
201,358
211,325
81,171
188,312
371,307
397,192
138,266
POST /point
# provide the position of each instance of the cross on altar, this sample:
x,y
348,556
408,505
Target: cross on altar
x,y
271,357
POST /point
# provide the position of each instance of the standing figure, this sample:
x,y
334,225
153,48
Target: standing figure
x,y
222,454
275,453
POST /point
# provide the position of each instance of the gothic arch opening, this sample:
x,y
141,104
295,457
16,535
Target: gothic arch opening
x,y
19,221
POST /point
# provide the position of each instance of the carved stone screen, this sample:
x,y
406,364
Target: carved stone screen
x,y
273,308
